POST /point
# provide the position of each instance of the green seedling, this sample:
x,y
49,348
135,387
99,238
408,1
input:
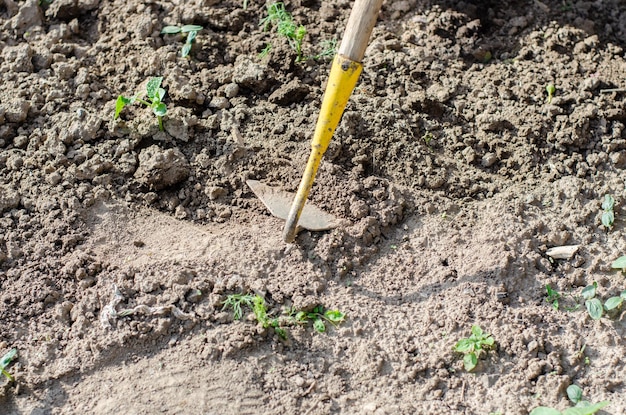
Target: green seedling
x,y
619,263
190,32
282,21
5,361
154,100
235,301
328,49
257,304
561,301
608,216
581,355
593,305
551,90
266,50
320,317
473,346
614,304
582,407
552,297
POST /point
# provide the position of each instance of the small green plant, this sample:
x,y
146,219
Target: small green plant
x,y
319,317
328,49
581,355
608,217
582,407
282,21
552,297
266,50
5,361
154,100
257,304
614,304
473,346
428,138
190,32
593,304
235,301
619,263
551,90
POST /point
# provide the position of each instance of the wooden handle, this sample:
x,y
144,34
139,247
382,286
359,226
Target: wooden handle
x,y
360,24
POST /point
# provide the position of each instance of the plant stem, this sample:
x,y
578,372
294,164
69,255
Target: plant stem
x,y
160,122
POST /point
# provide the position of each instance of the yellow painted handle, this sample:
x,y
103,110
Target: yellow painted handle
x,y
344,74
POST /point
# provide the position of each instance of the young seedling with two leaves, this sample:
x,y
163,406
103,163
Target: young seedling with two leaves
x,y
5,361
154,100
190,32
582,407
594,305
608,216
473,346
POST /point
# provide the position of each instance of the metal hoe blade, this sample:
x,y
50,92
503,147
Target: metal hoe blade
x,y
278,202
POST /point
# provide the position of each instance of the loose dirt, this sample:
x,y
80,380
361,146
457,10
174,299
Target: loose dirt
x,y
452,174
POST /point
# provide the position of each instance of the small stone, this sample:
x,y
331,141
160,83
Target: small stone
x,y
16,110
9,198
219,103
160,168
215,192
231,90
489,159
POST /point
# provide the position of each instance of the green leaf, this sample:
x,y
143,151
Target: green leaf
x,y
301,316
464,346
544,410
170,30
153,86
489,341
477,331
160,109
590,291
160,95
334,316
186,49
607,219
8,358
281,332
120,104
470,361
619,263
191,28
574,393
319,325
608,203
613,303
586,411
623,294
594,307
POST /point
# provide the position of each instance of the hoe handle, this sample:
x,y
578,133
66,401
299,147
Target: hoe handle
x,y
359,28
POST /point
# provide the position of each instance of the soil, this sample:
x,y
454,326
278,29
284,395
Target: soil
x,y
452,173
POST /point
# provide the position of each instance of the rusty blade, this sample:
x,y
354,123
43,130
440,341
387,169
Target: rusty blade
x,y
279,202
